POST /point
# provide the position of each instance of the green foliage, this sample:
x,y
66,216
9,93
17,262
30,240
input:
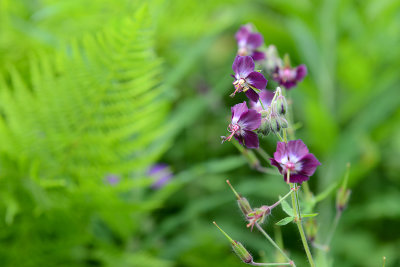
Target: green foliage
x,y
91,88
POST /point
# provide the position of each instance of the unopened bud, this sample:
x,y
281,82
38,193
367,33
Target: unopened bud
x,y
264,128
280,105
274,123
342,198
264,113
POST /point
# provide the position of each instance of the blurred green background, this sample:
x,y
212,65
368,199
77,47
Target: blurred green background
x,y
93,88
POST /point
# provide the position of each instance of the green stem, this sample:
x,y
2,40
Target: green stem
x,y
262,105
271,264
280,137
300,225
333,228
272,242
263,154
307,191
305,244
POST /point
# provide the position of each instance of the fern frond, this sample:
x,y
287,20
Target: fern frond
x,y
96,108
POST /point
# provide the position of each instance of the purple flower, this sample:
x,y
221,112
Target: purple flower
x,y
246,79
244,122
161,174
289,77
248,43
266,97
112,179
294,156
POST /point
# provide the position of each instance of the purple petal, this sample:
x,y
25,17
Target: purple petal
x,y
113,179
281,151
161,174
276,164
266,97
250,120
296,149
250,139
242,34
301,72
256,80
253,96
289,84
254,40
240,138
297,178
309,164
237,111
243,66
156,168
257,55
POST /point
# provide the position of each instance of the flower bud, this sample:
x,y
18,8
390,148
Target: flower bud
x,y
241,252
283,122
280,105
274,123
264,128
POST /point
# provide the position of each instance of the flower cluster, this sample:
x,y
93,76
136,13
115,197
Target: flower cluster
x,y
267,113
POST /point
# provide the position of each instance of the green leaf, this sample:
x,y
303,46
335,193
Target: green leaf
x,y
309,215
286,207
285,221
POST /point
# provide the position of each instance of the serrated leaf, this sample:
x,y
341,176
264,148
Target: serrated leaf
x,y
285,221
309,215
286,207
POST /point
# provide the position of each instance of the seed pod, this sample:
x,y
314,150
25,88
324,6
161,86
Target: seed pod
x,y
237,247
342,198
244,205
241,252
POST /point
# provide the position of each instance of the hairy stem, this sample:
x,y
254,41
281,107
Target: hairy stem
x,y
273,242
271,264
297,216
333,228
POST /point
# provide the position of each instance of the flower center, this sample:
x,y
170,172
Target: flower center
x,y
239,85
234,127
288,74
290,166
242,51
